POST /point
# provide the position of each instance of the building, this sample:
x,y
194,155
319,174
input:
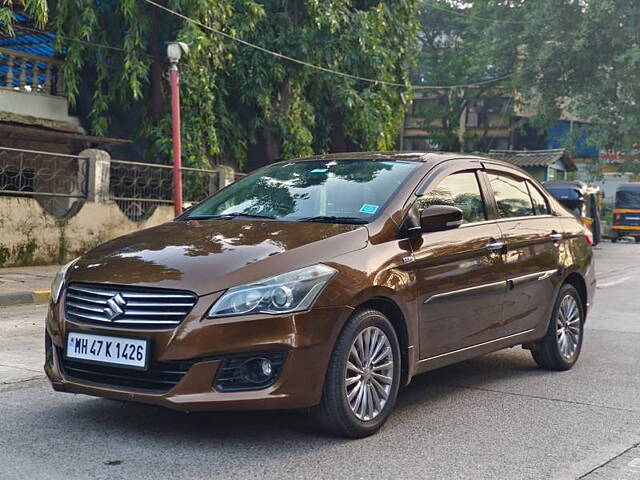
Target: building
x,y
499,124
483,125
545,165
34,112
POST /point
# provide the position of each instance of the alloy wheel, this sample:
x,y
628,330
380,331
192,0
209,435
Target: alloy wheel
x,y
568,327
369,373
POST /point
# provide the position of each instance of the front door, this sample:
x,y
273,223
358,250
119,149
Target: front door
x,y
459,276
532,237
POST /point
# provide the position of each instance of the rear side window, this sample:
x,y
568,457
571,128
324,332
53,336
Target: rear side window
x,y
540,205
512,196
458,190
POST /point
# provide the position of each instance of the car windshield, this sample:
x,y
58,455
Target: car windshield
x,y
628,198
331,191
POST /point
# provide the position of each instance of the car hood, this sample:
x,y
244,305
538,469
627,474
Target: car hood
x,y
206,256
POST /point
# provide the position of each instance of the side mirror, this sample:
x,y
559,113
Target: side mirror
x,y
440,217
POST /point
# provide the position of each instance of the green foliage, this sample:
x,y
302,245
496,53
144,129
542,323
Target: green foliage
x,y
457,49
37,9
632,167
564,57
594,171
240,105
585,60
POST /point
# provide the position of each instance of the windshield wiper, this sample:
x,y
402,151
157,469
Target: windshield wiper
x,y
230,215
333,219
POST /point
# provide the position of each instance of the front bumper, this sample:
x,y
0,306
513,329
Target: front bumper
x,y
626,230
307,338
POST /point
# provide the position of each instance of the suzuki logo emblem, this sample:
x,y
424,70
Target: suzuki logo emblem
x,y
115,306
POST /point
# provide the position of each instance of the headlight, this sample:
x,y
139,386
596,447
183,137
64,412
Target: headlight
x,y
59,279
290,292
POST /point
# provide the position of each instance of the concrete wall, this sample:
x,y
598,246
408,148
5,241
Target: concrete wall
x,y
37,105
30,236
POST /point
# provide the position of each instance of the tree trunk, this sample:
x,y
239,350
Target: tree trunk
x,y
268,146
339,141
157,103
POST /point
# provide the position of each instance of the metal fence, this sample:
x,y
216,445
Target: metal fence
x,y
57,181
138,188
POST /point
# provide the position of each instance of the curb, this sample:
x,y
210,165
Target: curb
x,y
22,298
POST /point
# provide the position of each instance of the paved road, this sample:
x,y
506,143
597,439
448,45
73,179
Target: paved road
x,y
497,416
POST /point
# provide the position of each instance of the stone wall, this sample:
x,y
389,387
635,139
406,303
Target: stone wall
x,y
30,236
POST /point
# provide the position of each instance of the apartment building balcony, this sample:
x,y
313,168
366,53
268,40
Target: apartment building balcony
x,y
31,91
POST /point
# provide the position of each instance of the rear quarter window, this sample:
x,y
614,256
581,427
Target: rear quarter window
x,y
540,204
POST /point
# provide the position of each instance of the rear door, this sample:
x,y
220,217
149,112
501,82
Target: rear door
x,y
532,236
459,276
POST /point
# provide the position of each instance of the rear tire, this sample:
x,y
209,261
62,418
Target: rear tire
x,y
560,348
363,377
614,239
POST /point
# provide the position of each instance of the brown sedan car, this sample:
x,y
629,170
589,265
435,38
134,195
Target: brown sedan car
x,y
326,282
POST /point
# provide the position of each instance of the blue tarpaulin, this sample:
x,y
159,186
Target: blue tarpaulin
x,y
29,41
561,131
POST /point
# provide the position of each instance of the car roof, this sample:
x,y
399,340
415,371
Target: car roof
x,y
629,186
433,158
577,185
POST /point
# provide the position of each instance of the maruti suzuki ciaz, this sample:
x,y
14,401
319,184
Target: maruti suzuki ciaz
x,y
325,283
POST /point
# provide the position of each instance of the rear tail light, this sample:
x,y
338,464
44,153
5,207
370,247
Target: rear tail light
x,y
617,218
588,234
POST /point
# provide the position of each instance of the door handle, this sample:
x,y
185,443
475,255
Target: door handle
x,y
555,236
496,246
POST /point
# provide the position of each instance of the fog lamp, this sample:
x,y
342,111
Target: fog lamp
x,y
249,371
257,370
267,368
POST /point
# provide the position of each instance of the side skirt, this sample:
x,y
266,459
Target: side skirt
x,y
466,353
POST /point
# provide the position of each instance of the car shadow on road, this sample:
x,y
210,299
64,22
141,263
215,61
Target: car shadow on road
x,y
425,391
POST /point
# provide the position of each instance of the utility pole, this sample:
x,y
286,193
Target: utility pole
x,y
174,52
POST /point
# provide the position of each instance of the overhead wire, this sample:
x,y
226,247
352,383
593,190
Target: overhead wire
x,y
471,16
287,57
320,67
71,39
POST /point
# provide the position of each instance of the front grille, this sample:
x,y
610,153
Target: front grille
x,y
160,376
127,306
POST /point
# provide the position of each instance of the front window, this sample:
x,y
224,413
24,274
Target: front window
x,y
341,191
458,190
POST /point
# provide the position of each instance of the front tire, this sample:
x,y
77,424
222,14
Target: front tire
x,y
561,346
363,377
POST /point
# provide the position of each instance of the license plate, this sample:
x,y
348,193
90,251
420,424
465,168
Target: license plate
x,y
107,350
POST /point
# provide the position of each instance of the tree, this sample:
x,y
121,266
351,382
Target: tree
x,y
577,57
458,49
36,8
587,57
240,105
